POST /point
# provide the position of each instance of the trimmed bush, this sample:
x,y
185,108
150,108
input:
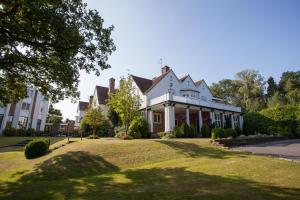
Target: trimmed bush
x,y
284,132
139,128
36,148
166,135
229,132
205,131
177,131
238,130
217,133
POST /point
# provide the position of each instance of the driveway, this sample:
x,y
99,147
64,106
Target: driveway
x,y
288,149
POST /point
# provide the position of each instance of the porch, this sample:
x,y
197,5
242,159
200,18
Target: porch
x,y
173,111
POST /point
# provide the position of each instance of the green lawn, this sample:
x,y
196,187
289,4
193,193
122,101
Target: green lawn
x,y
147,169
6,141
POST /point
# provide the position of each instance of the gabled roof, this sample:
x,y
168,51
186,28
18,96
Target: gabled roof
x,y
146,85
83,105
143,83
197,83
183,78
102,94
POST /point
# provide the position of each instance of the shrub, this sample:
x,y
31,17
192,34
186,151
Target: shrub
x,y
256,122
36,148
106,129
177,131
238,130
139,128
185,130
229,132
217,133
205,130
93,137
192,132
298,130
284,131
166,135
281,113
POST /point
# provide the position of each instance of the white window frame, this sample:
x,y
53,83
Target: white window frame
x,y
156,118
218,120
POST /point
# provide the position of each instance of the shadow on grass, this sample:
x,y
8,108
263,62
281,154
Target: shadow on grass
x,y
194,150
80,175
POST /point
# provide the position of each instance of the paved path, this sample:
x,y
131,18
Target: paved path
x,y
289,149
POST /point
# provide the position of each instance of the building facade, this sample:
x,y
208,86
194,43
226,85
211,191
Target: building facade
x,y
98,99
168,101
30,112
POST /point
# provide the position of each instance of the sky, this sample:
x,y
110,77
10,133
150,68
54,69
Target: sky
x,y
208,39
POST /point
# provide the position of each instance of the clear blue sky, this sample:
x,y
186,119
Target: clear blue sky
x,y
210,39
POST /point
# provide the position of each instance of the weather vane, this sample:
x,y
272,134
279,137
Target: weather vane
x,y
161,62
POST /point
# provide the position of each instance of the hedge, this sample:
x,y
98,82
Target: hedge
x,y
36,148
281,120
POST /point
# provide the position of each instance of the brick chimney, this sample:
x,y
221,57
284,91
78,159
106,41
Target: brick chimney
x,y
111,87
165,69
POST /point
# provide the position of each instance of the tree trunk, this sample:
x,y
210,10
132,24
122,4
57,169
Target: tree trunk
x,y
94,133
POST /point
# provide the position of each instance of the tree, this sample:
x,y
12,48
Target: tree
x,y
289,86
251,90
54,115
46,43
227,89
125,102
113,116
272,87
93,118
276,100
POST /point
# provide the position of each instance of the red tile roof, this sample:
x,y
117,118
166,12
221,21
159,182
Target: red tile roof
x,y
145,85
102,94
83,105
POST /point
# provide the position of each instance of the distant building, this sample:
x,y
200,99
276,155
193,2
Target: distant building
x,y
98,99
169,101
30,112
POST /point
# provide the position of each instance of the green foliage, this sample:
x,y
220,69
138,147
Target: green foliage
x,y
178,132
279,113
276,100
256,122
188,131
105,129
139,128
272,87
54,115
93,137
217,133
205,131
280,120
166,135
36,148
45,44
113,116
289,86
229,132
284,131
125,102
93,118
238,130
228,121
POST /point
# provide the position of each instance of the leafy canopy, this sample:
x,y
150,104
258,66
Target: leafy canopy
x,y
54,115
92,117
45,44
125,102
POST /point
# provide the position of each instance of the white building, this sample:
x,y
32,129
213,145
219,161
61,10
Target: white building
x,y
168,101
81,108
99,99
30,112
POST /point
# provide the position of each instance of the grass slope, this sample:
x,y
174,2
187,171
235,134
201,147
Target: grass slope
x,y
147,169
